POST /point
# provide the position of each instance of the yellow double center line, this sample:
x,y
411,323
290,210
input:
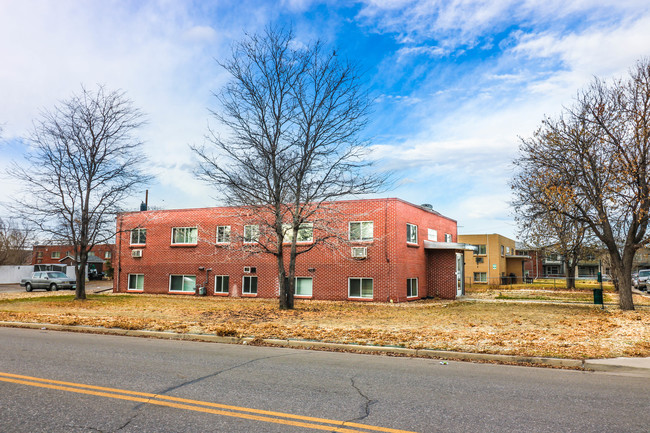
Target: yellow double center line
x,y
198,406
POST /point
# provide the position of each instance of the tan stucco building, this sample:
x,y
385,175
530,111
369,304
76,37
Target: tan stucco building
x,y
495,260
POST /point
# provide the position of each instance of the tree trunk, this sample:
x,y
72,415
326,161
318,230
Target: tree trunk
x,y
282,274
80,273
570,273
624,279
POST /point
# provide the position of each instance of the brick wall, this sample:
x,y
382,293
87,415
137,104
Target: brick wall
x,y
63,250
441,277
390,261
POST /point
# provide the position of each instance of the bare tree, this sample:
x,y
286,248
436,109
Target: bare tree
x,y
294,115
15,240
549,231
84,160
591,164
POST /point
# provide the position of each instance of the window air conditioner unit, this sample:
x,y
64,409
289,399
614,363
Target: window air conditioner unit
x,y
136,253
359,252
250,269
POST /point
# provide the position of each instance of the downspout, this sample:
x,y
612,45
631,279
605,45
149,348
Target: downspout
x,y
390,285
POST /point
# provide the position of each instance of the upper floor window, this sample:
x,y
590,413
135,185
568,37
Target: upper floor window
x,y
502,250
251,233
361,230
448,237
305,232
223,234
56,255
184,235
39,254
480,250
507,250
411,233
107,255
138,236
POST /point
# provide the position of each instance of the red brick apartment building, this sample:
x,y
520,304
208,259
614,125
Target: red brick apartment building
x,y
64,254
392,251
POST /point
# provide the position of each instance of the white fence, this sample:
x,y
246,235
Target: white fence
x,y
13,274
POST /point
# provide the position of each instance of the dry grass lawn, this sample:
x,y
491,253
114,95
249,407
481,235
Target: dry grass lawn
x,y
496,326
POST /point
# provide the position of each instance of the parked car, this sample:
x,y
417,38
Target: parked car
x,y
642,280
48,280
94,275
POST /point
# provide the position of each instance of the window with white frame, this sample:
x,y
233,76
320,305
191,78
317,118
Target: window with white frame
x,y
432,235
184,235
249,285
448,237
360,288
480,277
411,233
305,232
56,254
136,282
480,249
251,233
221,283
107,255
223,234
182,283
361,230
138,236
304,286
411,287
507,250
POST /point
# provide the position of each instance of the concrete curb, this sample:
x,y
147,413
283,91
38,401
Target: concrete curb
x,y
318,345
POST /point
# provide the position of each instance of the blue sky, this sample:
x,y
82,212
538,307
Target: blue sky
x,y
455,82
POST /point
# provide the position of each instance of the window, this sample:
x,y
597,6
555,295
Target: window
x,y
39,254
249,285
411,287
480,250
507,250
502,250
223,234
448,237
432,235
221,283
411,233
107,255
304,286
184,235
305,232
251,234
136,282
91,254
182,283
361,230
56,254
480,277
138,236
360,288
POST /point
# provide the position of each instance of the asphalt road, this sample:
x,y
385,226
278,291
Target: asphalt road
x,y
146,385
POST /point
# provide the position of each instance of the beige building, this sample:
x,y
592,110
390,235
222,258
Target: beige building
x,y
494,261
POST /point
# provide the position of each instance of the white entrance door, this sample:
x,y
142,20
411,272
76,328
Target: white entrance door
x,y
459,274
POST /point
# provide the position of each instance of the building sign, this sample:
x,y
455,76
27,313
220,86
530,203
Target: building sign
x,y
432,235
494,266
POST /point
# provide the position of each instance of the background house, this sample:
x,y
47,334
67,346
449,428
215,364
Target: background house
x,y
391,251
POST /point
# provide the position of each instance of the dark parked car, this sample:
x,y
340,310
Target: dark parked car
x,y
48,280
94,275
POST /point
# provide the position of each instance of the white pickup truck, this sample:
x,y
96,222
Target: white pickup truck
x,y
48,280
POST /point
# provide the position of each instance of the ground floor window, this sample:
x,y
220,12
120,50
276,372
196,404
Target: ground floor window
x,y
249,285
182,283
136,282
480,277
221,283
360,288
411,287
304,286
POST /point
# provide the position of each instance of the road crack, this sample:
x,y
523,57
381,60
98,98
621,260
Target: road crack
x,y
365,406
